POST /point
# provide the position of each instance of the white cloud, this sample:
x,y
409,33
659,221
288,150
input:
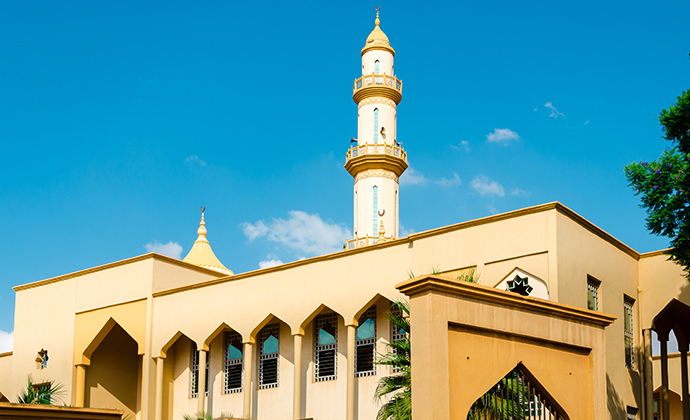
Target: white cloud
x,y
502,134
171,249
271,262
455,180
412,177
303,232
195,159
518,191
6,341
485,186
554,112
405,232
492,209
464,144
586,122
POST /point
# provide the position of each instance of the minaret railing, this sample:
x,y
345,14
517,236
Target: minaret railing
x,y
364,241
373,149
378,80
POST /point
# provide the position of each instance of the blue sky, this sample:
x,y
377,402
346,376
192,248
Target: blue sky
x,y
118,120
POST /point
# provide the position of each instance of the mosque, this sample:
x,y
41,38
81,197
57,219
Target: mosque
x,y
159,338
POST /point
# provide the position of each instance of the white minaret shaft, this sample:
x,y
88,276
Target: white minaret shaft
x,y
378,160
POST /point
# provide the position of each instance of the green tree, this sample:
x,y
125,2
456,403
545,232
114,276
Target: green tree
x,y
45,393
664,184
395,391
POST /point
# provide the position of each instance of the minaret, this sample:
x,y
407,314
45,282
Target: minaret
x,y
378,159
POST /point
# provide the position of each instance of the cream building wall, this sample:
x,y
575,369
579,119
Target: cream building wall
x,y
163,305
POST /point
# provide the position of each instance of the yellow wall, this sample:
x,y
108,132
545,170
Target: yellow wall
x,y
113,376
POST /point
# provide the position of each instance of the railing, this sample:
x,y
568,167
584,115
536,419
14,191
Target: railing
x,y
373,149
515,397
364,241
378,80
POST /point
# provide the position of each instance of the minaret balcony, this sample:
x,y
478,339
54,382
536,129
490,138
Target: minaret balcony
x,y
377,85
376,156
363,241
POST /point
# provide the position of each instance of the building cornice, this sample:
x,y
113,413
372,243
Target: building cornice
x,y
117,264
443,285
5,354
656,253
411,238
381,91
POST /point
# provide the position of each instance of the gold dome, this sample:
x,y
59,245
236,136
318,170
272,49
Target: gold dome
x,y
201,253
377,40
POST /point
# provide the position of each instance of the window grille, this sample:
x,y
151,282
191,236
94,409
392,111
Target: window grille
x,y
376,125
366,344
632,413
657,406
194,376
516,396
593,293
233,363
376,211
397,333
325,347
628,303
269,346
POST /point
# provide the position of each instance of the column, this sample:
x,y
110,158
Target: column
x,y
664,375
297,386
351,340
683,347
81,386
247,388
648,376
201,386
158,413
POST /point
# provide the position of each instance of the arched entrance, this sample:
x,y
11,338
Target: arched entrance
x,y
114,375
518,395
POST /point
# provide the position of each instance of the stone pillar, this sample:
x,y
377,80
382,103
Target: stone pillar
x,y
201,385
158,409
350,371
664,375
648,376
297,385
247,388
81,386
683,347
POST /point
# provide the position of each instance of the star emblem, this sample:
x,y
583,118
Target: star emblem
x,y
520,286
42,359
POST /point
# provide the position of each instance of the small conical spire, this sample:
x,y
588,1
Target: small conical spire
x,y
377,21
201,253
202,228
382,231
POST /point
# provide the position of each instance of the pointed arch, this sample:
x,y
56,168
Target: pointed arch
x,y
518,393
303,325
222,327
164,350
252,336
85,357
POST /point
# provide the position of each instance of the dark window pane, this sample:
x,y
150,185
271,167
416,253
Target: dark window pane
x,y
365,358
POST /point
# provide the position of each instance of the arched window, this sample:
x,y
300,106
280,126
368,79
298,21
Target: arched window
x,y
377,67
376,210
376,125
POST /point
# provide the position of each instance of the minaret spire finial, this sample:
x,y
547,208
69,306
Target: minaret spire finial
x,y
382,231
202,227
377,21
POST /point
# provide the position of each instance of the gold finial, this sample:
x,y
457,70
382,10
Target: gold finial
x,y
377,21
202,225
382,231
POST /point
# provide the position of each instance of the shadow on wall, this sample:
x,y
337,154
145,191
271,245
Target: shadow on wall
x,y
617,409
